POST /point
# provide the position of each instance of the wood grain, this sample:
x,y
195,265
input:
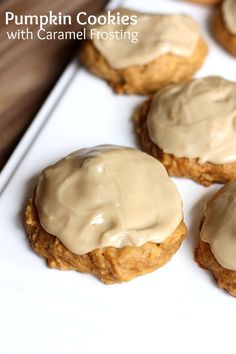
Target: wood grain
x,y
29,69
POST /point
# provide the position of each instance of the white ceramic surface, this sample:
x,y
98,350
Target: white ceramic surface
x,y
177,309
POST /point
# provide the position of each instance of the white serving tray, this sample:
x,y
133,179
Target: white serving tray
x,y
177,309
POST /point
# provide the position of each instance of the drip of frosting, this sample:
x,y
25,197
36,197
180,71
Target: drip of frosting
x,y
229,15
107,196
157,35
219,228
196,120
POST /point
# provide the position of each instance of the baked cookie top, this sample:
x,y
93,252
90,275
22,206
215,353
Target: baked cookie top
x,y
229,15
156,35
219,227
107,196
196,119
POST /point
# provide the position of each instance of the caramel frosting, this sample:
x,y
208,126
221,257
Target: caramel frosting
x,y
157,35
219,227
196,120
107,196
229,15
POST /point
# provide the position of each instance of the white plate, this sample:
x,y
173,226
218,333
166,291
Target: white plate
x,y
177,309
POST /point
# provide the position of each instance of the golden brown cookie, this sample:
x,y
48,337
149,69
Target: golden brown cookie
x,y
91,214
204,2
217,243
205,173
148,78
110,264
223,36
225,278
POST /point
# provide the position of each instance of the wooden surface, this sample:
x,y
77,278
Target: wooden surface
x,y
28,69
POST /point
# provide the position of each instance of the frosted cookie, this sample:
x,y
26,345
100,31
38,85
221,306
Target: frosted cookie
x,y
169,49
217,248
191,129
224,25
110,211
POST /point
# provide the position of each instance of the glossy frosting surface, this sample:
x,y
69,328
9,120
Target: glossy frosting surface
x,y
196,120
219,228
157,35
107,196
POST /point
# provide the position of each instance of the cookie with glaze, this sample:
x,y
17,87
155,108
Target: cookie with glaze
x,y
204,173
216,248
110,264
145,79
226,39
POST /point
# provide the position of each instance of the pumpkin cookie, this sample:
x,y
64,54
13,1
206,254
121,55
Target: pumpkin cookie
x,y
224,25
217,247
165,49
94,213
191,129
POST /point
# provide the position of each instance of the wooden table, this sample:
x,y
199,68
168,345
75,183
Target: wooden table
x,y
29,68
